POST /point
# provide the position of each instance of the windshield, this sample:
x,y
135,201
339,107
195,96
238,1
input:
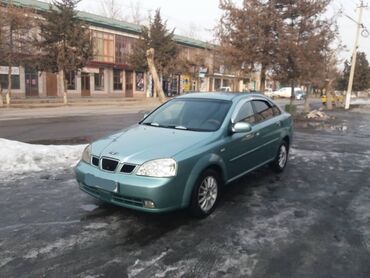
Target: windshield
x,y
190,114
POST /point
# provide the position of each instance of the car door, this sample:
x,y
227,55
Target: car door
x,y
268,127
239,148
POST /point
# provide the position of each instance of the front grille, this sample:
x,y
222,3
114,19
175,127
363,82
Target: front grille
x,y
95,161
127,168
109,164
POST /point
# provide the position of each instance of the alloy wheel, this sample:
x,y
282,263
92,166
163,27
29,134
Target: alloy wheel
x,y
282,156
207,193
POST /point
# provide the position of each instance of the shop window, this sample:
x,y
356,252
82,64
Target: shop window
x,y
117,80
226,83
99,80
71,80
123,49
186,83
4,82
103,47
217,84
174,87
140,81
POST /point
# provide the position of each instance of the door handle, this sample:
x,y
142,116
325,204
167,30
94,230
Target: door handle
x,y
248,136
257,134
278,123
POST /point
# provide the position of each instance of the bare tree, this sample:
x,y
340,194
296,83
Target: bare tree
x,y
304,40
116,9
284,37
248,35
136,15
112,9
16,44
2,47
192,31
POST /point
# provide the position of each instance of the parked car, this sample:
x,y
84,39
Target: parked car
x,y
268,92
286,92
225,89
181,154
299,95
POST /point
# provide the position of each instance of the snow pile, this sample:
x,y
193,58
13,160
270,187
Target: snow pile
x,y
19,158
316,114
361,101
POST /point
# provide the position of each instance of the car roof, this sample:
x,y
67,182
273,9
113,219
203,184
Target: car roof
x,y
229,96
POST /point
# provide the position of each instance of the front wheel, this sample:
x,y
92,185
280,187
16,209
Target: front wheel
x,y
205,194
281,159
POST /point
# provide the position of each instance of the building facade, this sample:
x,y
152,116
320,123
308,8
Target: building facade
x,y
109,72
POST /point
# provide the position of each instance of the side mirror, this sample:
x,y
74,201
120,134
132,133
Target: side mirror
x,y
241,127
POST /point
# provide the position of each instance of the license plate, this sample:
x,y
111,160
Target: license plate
x,y
97,182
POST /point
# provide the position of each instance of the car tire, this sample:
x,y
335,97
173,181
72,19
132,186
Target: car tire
x,y
205,194
281,159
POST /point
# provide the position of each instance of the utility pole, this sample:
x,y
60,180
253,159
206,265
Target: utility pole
x,y
354,55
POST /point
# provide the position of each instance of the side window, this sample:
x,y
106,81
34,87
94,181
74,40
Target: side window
x,y
263,110
245,113
276,110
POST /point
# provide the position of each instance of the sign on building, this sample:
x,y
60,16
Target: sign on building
x,y
4,70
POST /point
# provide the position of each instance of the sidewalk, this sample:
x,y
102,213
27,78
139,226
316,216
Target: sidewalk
x,y
37,102
29,109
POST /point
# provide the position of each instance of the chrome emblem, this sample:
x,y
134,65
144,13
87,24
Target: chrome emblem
x,y
113,153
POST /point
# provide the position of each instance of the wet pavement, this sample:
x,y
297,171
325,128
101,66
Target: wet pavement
x,y
313,220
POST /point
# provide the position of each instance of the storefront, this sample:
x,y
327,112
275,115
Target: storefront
x,y
15,78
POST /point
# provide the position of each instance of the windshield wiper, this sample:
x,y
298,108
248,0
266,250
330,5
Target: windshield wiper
x,y
181,127
152,124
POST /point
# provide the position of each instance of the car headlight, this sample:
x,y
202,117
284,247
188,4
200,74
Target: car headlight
x,y
86,155
159,168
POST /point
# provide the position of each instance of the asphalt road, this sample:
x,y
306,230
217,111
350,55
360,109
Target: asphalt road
x,y
74,125
66,129
310,221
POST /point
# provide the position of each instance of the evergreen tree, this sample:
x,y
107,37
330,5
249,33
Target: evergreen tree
x,y
65,41
158,37
361,79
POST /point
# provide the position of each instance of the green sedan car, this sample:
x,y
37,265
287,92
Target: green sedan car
x,y
182,153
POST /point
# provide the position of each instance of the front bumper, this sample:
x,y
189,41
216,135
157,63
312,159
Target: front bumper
x,y
130,190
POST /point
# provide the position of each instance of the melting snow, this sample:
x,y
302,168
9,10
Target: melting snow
x,y
22,158
139,265
89,207
361,101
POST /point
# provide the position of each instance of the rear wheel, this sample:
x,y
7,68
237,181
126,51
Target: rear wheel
x,y
281,159
205,194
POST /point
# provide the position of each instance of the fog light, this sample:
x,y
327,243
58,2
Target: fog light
x,y
149,204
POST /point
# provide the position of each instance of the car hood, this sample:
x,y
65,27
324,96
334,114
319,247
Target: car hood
x,y
139,143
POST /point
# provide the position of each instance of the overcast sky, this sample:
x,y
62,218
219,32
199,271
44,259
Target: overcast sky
x,y
199,17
